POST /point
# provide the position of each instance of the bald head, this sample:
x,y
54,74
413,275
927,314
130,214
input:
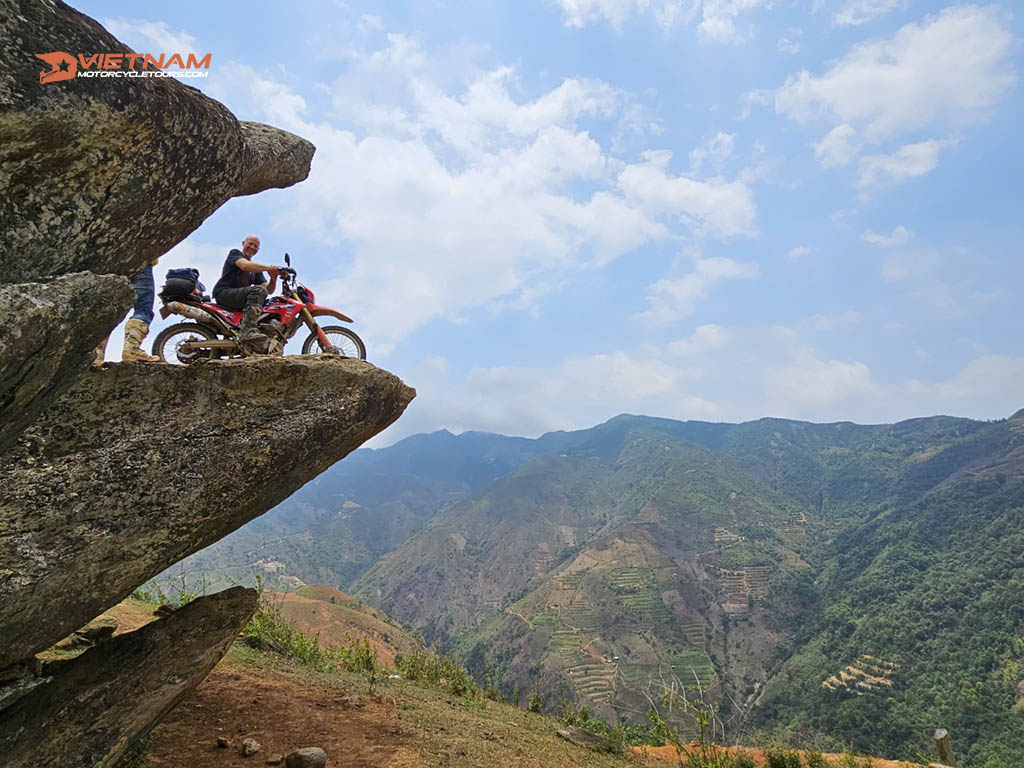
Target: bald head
x,y
250,246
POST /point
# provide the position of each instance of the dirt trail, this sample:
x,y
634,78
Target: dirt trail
x,y
282,714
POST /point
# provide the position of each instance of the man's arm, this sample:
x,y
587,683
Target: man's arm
x,y
247,265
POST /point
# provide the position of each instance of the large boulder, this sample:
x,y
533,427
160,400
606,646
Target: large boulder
x,y
104,174
139,465
50,330
99,703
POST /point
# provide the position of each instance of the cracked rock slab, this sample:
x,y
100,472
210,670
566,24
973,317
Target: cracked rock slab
x,y
99,703
138,465
50,330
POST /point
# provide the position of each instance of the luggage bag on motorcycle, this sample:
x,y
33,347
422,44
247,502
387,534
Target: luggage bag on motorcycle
x,y
182,285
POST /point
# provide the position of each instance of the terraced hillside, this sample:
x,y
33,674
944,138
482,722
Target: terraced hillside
x,y
777,554
868,674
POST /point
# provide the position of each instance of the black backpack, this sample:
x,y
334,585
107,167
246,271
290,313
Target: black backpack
x,y
182,284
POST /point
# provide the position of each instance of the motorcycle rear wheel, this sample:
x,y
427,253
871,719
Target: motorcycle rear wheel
x,y
167,344
344,340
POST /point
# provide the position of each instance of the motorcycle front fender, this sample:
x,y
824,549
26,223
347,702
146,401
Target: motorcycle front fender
x,y
316,311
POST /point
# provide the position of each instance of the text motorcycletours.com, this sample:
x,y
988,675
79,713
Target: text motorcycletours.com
x,y
138,73
66,66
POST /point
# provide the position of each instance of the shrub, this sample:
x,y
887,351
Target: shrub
x,y
776,757
816,760
269,630
436,671
535,702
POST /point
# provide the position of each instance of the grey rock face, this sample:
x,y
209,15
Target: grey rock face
x,y
100,702
280,158
308,757
49,331
138,465
104,174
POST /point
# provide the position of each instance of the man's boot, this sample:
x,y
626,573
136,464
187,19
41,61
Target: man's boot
x,y
100,352
251,337
135,331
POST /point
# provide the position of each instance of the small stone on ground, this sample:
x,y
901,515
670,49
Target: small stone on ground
x,y
309,757
250,747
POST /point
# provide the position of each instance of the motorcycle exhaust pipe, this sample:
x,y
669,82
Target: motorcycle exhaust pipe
x,y
187,310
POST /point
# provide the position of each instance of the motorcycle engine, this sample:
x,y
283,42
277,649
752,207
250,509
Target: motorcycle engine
x,y
274,330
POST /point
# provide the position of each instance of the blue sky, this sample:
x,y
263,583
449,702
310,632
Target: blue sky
x,y
543,213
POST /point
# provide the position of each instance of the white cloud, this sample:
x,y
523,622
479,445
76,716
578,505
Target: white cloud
x,y
714,206
703,338
898,237
833,322
952,66
838,147
798,253
580,13
575,393
720,373
840,217
907,162
717,17
151,36
454,194
909,265
714,151
785,45
857,12
987,387
670,300
811,382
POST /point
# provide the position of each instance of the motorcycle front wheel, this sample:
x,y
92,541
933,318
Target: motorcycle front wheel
x,y
167,344
344,340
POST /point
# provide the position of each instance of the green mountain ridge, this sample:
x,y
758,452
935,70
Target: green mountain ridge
x,y
793,569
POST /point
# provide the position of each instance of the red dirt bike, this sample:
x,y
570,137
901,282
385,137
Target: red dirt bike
x,y
216,329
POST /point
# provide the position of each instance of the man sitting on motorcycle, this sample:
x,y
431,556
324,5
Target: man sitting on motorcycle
x,y
243,285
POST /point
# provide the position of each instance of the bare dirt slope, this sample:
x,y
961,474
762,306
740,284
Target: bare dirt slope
x,y
285,708
282,713
337,618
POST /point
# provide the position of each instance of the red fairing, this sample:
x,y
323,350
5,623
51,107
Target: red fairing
x,y
231,316
286,309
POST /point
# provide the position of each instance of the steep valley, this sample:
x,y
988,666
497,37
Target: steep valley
x,y
816,581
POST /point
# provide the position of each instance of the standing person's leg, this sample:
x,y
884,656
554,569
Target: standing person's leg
x,y
137,327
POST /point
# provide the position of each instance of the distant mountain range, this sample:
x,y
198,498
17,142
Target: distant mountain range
x,y
839,585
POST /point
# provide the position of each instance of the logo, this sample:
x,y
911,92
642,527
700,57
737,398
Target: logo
x,y
63,66
66,66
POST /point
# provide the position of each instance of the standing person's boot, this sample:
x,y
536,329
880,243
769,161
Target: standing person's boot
x,y
100,352
135,331
251,337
